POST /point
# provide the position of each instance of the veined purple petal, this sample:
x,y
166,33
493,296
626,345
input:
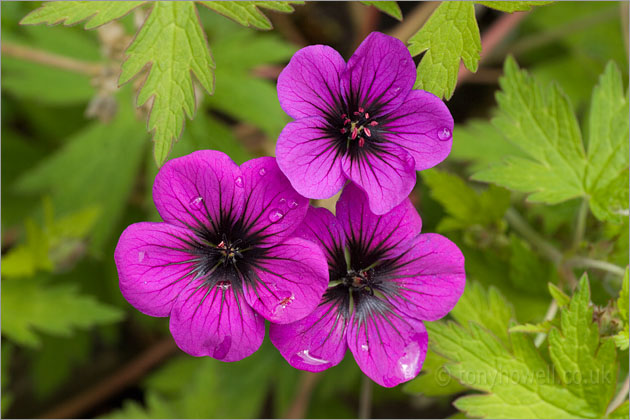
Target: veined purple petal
x,y
198,188
423,126
430,275
386,175
314,343
215,322
152,268
309,157
320,226
380,73
388,348
272,208
385,231
309,85
290,282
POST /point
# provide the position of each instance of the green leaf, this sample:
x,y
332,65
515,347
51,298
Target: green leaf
x,y
541,122
542,327
172,42
585,366
434,380
389,7
451,34
622,337
528,272
561,298
607,171
620,412
465,206
114,152
29,306
513,6
246,12
488,309
519,382
95,13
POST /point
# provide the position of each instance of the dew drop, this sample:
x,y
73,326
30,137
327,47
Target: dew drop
x,y
292,204
408,363
364,347
275,215
444,134
239,181
141,256
144,282
262,172
196,203
283,200
309,359
222,349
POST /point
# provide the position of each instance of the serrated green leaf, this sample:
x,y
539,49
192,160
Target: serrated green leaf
x,y
29,306
542,327
480,143
246,12
621,339
95,13
541,122
434,380
465,206
172,42
607,171
115,152
488,309
528,272
513,6
585,365
561,298
449,36
389,7
520,383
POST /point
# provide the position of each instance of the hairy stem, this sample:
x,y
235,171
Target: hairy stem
x,y
298,408
365,398
551,313
52,60
580,226
620,397
584,262
520,225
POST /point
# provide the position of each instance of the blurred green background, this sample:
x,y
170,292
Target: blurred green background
x,y
77,168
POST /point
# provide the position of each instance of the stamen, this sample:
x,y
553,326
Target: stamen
x,y
343,130
373,123
361,110
346,121
343,116
367,131
221,245
367,116
361,141
355,133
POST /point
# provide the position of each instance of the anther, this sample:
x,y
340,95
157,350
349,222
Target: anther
x,y
355,133
367,116
361,141
367,131
373,123
343,130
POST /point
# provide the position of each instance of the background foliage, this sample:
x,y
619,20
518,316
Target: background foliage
x,y
535,193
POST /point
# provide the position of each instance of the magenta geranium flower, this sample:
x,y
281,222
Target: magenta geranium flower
x,y
360,121
222,261
385,279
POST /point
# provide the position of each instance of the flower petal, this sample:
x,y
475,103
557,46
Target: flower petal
x,y
320,226
314,343
288,282
191,190
309,158
272,208
431,276
217,323
388,348
380,74
423,126
387,175
309,85
151,269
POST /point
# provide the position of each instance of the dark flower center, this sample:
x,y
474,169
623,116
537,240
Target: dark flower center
x,y
357,127
360,280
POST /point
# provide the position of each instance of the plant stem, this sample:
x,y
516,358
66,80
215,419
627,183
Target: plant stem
x,y
585,262
580,227
52,60
414,20
620,397
298,408
365,398
520,225
551,312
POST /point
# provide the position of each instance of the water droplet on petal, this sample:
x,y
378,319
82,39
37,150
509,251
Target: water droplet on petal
x,y
239,181
222,349
283,200
275,215
364,347
408,363
144,282
141,256
309,359
292,204
262,172
196,203
444,134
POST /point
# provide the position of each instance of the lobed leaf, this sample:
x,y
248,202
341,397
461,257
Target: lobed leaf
x,y
94,13
389,7
513,6
247,13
